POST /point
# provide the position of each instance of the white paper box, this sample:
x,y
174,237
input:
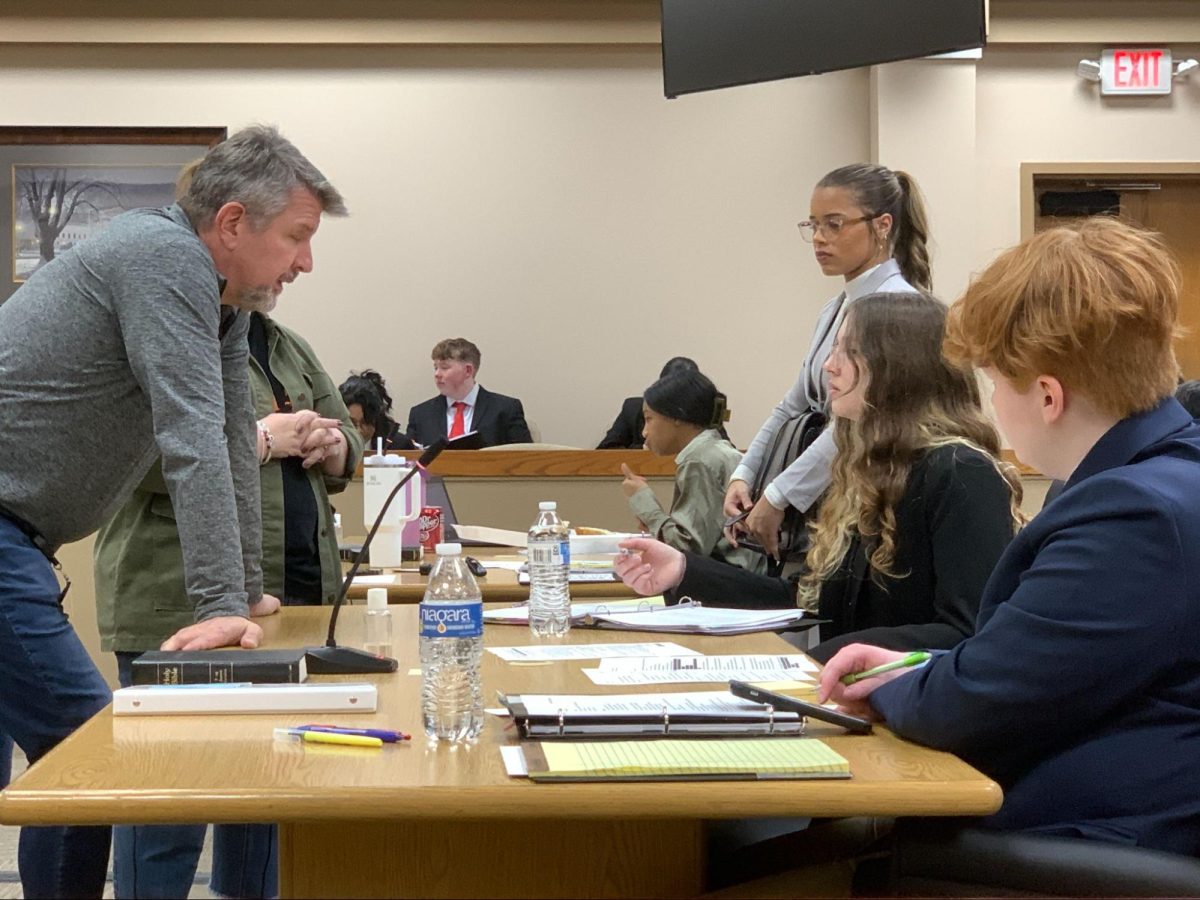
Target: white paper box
x,y
200,699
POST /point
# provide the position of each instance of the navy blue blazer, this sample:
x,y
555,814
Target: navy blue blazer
x,y
497,418
1080,690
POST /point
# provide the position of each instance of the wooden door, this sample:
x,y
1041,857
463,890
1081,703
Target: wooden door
x,y
1174,212
1166,203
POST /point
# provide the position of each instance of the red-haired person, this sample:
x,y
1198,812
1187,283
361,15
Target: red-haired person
x,y
1080,690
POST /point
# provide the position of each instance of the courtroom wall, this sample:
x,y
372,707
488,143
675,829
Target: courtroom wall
x,y
548,203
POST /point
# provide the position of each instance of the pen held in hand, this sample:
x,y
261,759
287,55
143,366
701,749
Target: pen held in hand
x,y
913,659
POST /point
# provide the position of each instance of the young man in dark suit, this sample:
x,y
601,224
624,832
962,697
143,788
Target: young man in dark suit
x,y
1080,690
462,405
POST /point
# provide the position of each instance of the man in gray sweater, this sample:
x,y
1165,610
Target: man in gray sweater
x,y
125,348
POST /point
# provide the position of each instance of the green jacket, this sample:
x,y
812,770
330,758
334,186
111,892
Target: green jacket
x,y
140,596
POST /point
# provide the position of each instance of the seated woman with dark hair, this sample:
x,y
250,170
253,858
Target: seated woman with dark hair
x,y
369,403
920,508
682,412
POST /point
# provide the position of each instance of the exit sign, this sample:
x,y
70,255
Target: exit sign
x,y
1135,71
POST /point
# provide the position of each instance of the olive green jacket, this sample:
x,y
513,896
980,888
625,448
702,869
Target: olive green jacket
x,y
140,596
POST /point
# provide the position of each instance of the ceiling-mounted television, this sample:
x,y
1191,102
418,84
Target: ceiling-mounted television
x,y
709,44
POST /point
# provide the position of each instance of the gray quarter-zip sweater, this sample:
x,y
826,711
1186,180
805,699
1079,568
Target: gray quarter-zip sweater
x,y
111,355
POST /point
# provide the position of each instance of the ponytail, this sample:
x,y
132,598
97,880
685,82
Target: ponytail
x,y
912,235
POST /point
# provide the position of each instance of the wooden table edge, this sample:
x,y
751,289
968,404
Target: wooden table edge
x,y
567,802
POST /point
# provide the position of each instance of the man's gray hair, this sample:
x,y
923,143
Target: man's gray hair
x,y
259,168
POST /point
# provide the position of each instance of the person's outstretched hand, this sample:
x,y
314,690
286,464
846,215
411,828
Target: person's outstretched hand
x,y
650,567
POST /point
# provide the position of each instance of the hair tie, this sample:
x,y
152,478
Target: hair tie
x,y
720,413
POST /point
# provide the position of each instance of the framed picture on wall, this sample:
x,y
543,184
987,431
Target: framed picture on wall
x,y
66,184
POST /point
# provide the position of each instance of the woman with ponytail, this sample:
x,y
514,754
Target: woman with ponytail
x,y
867,224
684,412
919,510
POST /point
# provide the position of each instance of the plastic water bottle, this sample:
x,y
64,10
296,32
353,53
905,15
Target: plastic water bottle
x,y
377,630
549,568
451,649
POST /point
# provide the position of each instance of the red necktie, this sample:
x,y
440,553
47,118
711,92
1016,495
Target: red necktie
x,y
459,428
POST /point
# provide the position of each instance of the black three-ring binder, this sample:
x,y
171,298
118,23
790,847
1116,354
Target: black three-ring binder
x,y
764,722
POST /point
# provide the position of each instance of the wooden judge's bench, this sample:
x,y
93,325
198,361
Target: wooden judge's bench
x,y
501,487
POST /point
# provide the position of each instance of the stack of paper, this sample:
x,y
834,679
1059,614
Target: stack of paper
x,y
519,615
651,614
631,715
482,534
703,669
550,652
580,571
695,619
671,760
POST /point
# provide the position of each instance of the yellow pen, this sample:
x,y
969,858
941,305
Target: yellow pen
x,y
326,737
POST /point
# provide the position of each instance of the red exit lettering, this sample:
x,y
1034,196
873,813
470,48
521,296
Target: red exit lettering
x,y
1136,68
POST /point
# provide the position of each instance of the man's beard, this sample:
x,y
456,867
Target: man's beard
x,y
257,299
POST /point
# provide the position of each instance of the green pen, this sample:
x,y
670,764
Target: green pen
x,y
913,659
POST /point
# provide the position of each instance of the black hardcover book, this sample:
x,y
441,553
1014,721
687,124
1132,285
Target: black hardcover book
x,y
220,667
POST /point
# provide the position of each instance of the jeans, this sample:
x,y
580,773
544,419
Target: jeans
x,y
160,860
49,686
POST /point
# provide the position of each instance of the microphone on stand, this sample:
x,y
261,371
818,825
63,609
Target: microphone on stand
x,y
331,659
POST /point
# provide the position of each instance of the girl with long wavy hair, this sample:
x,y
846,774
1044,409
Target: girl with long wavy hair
x,y
920,506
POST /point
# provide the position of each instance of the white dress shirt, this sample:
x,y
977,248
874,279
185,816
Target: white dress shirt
x,y
468,413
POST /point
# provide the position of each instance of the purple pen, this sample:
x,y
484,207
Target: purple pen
x,y
385,735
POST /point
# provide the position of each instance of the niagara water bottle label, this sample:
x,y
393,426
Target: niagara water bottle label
x,y
550,554
451,620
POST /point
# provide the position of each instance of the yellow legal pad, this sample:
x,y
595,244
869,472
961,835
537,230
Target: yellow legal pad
x,y
670,760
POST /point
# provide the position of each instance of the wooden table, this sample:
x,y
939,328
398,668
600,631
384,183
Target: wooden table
x,y
499,585
442,821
